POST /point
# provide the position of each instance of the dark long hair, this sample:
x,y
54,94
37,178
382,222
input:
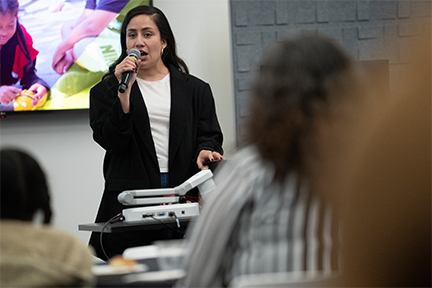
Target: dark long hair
x,y
169,56
24,188
301,81
12,6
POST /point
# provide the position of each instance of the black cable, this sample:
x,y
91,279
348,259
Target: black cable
x,y
118,217
169,227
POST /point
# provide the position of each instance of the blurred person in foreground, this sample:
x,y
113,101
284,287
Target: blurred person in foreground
x,y
268,214
34,255
387,188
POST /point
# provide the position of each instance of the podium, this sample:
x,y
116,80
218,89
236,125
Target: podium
x,y
134,226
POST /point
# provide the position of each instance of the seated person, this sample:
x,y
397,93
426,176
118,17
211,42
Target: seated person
x,y
35,255
267,214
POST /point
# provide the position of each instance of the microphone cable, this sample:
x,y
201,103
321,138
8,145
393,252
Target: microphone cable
x,y
117,218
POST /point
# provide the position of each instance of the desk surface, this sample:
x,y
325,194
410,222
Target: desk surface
x,y
152,271
153,277
131,226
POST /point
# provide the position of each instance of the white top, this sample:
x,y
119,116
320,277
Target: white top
x,y
157,98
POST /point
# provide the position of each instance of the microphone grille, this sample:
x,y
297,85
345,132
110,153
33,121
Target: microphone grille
x,y
134,53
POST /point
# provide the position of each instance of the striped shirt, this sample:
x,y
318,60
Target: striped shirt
x,y
253,225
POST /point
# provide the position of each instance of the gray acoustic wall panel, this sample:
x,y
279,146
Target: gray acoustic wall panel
x,y
368,30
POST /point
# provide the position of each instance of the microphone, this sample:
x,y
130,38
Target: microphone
x,y
124,82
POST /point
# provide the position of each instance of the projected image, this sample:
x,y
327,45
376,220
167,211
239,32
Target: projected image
x,y
54,51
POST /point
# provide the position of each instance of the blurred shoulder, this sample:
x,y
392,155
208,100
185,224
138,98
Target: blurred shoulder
x,y
21,236
246,163
47,255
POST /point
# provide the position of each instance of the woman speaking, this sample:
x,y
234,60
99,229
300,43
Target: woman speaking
x,y
158,132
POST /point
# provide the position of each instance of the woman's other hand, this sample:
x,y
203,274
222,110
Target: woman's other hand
x,y
207,155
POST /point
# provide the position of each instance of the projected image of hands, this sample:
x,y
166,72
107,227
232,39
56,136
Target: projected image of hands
x,y
64,49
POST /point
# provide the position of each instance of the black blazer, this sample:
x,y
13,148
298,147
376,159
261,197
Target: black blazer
x,y
130,160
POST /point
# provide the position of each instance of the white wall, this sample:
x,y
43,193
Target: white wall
x,y
62,141
203,35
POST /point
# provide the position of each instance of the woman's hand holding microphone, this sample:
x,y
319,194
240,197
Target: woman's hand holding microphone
x,y
125,73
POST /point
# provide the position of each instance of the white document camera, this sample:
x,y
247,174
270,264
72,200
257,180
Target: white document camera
x,y
203,180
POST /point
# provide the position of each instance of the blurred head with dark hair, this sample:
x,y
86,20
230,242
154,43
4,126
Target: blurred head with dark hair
x,y
302,81
24,189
